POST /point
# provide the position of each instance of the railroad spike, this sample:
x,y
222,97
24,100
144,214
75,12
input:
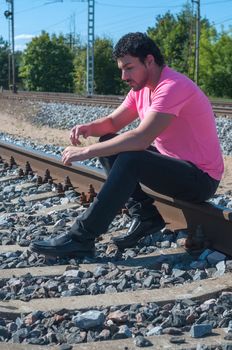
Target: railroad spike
x,y
39,181
59,188
83,199
66,188
20,172
67,183
5,165
50,181
12,162
28,168
47,176
91,194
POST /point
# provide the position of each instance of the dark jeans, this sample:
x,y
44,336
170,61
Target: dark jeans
x,y
169,176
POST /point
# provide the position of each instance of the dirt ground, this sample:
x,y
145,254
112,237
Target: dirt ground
x,y
15,120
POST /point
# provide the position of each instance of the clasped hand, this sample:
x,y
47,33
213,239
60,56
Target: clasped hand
x,y
73,154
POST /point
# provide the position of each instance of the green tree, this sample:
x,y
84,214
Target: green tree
x,y
80,70
208,39
106,76
4,57
106,73
174,36
47,64
217,68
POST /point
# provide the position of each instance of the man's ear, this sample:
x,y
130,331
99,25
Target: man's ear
x,y
149,60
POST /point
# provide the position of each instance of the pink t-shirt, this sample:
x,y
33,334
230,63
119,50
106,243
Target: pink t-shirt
x,y
192,134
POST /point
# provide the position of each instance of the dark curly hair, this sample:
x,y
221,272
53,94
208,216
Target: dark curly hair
x,y
138,45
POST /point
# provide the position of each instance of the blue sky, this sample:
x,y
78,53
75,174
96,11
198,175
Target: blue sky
x,y
113,18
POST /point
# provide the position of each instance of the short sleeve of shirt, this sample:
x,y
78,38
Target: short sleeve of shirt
x,y
169,97
129,101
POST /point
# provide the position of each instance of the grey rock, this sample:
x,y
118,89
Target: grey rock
x,y
215,257
172,331
123,333
199,330
20,335
110,289
177,340
155,331
228,336
100,271
89,319
75,273
200,275
65,347
4,332
148,282
227,347
142,342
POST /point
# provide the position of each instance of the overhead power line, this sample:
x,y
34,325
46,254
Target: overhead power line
x,y
137,7
225,20
30,9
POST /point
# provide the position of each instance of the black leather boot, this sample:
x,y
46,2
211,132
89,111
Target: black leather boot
x,y
65,245
137,230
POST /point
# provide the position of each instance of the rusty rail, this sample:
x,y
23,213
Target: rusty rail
x,y
216,224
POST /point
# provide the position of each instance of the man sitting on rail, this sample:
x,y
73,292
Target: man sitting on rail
x,y
174,150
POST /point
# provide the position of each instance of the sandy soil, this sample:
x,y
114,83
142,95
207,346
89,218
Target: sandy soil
x,y
15,120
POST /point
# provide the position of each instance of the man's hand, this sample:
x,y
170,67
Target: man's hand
x,y
73,154
80,130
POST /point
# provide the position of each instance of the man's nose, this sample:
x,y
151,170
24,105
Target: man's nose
x,y
124,75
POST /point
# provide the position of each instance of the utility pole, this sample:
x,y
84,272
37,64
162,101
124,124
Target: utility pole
x,y
90,48
9,14
197,41
90,44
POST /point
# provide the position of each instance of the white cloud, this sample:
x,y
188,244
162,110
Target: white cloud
x,y
20,47
24,37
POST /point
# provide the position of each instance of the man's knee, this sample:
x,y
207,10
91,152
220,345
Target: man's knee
x,y
129,159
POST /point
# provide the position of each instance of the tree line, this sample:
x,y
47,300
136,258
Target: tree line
x,y
56,64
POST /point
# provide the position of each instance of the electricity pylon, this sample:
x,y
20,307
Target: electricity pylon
x,y
9,14
90,44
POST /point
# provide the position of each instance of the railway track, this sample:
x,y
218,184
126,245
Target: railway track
x,y
221,108
215,229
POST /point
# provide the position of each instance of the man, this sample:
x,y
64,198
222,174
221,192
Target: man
x,y
174,150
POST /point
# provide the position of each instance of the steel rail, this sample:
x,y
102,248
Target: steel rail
x,y
215,223
180,214
220,107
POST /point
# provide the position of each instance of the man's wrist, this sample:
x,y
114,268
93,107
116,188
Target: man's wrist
x,y
87,152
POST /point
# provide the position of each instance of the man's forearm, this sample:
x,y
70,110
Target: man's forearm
x,y
128,141
102,126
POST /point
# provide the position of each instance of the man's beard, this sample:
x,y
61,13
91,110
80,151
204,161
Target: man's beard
x,y
138,86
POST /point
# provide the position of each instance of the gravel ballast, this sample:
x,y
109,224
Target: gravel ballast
x,y
20,225
65,116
